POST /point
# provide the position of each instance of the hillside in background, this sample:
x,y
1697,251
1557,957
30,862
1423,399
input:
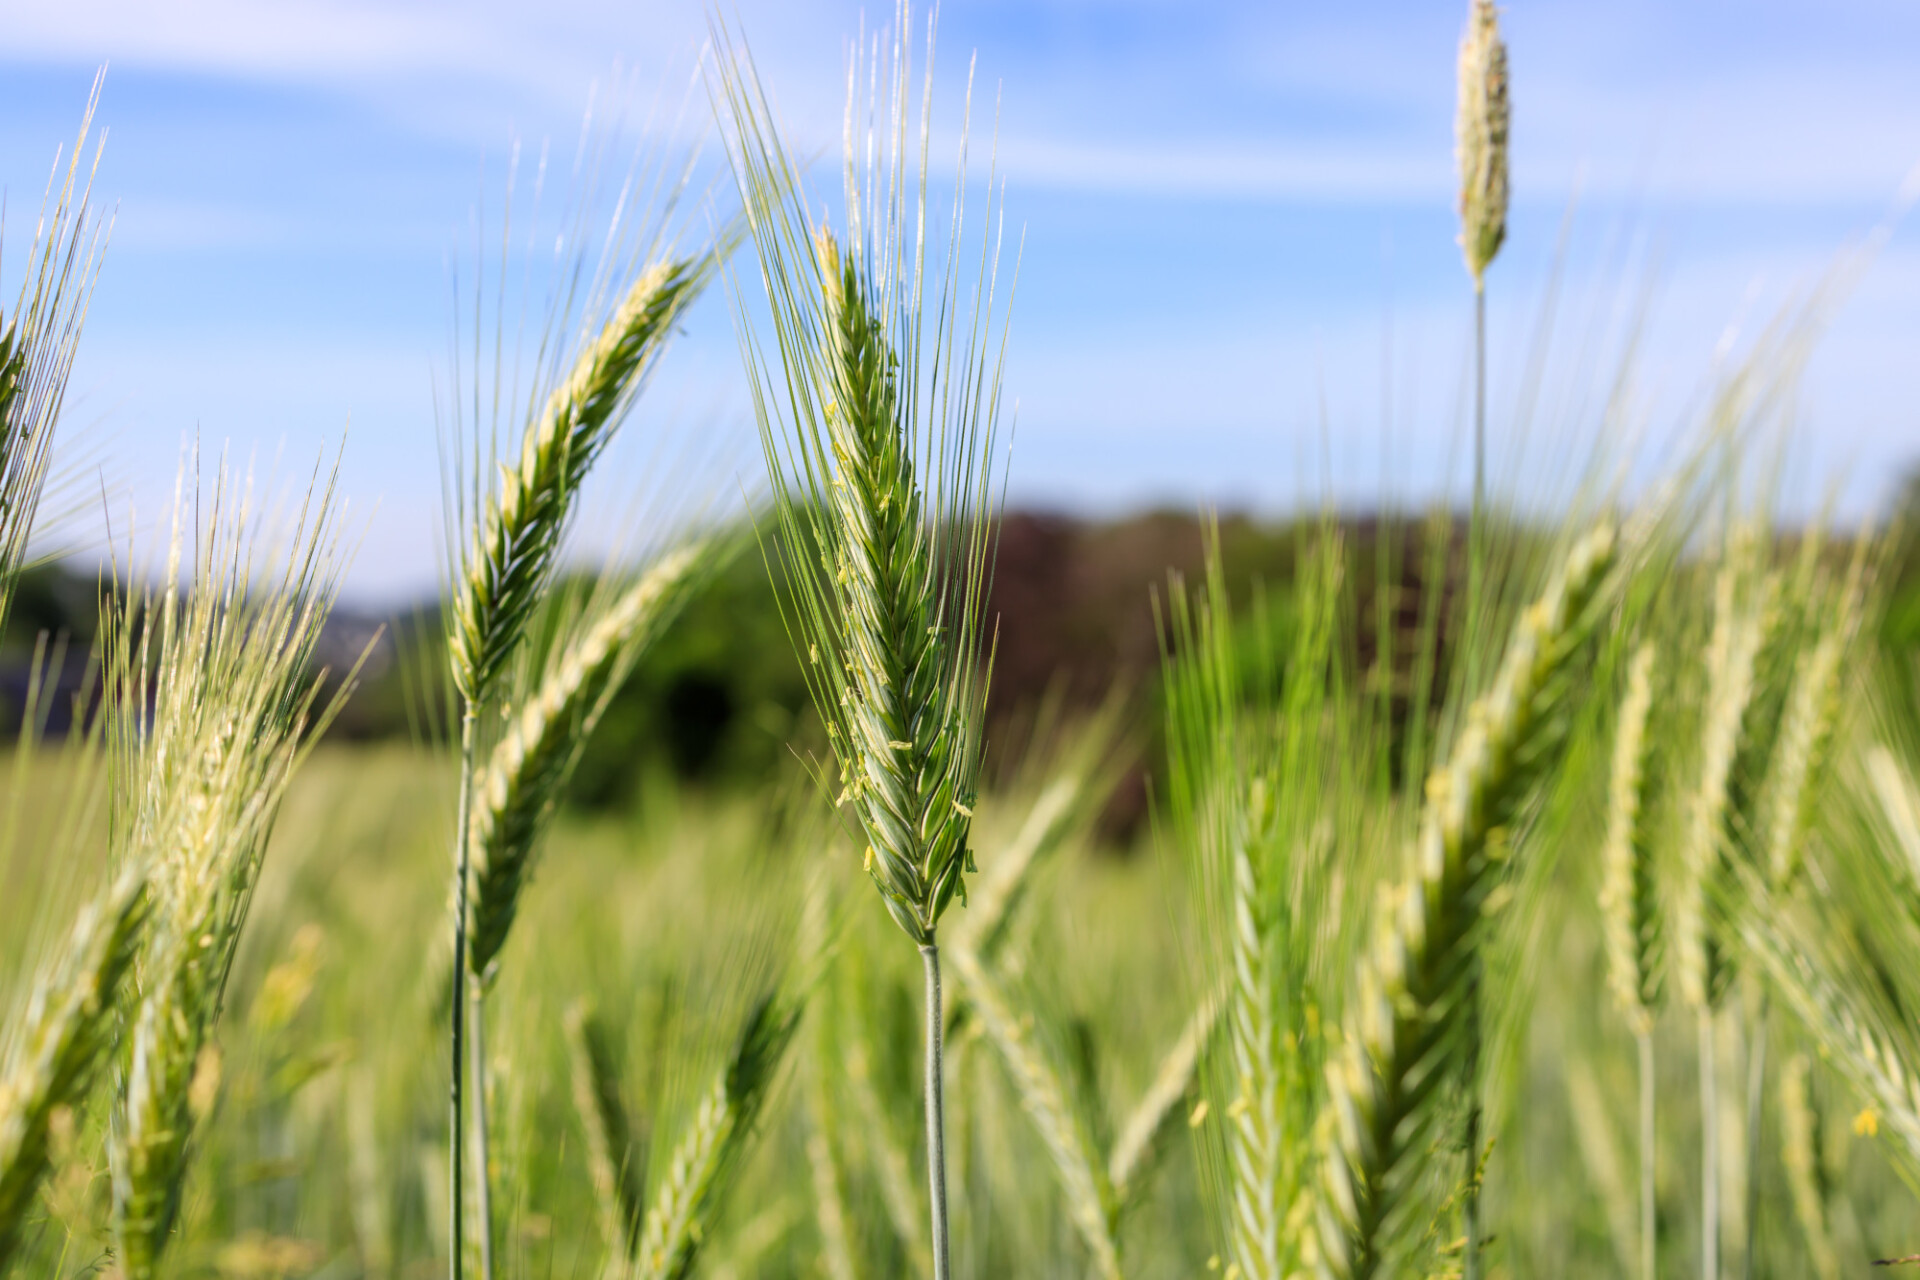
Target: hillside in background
x,y
720,701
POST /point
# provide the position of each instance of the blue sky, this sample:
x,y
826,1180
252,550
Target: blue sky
x,y
1239,283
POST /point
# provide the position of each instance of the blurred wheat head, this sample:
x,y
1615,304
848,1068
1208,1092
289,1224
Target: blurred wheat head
x,y
1405,1023
1259,742
212,700
1480,138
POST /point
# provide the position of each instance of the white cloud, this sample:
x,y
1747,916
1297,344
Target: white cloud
x,y
305,38
1210,169
1221,103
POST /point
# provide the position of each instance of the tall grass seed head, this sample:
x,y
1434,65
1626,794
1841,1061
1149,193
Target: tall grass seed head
x,y
1480,138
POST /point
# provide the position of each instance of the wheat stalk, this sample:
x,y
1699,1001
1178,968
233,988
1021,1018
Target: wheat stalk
x,y
504,568
544,740
879,437
1403,1027
694,1185
62,1042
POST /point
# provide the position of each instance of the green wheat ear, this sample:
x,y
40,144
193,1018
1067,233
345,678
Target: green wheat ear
x,y
71,1023
878,411
1629,897
513,547
543,742
694,1186
1406,1021
905,721
212,702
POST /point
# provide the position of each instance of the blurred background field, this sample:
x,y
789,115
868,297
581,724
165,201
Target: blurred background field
x,y
676,874
720,698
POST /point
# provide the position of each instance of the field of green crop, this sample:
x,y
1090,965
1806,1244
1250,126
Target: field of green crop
x,y
1499,896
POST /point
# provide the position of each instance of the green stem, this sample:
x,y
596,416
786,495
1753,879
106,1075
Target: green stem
x,y
1756,1089
462,871
1479,395
483,1164
1649,1166
1470,1209
1476,583
1709,1154
936,1115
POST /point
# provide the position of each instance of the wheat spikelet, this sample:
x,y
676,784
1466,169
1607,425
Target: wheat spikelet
x,y
1091,1203
513,547
1404,1025
615,1160
1800,1153
1480,138
1800,757
696,1180
1629,894
544,740
1148,1125
1738,634
54,1057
